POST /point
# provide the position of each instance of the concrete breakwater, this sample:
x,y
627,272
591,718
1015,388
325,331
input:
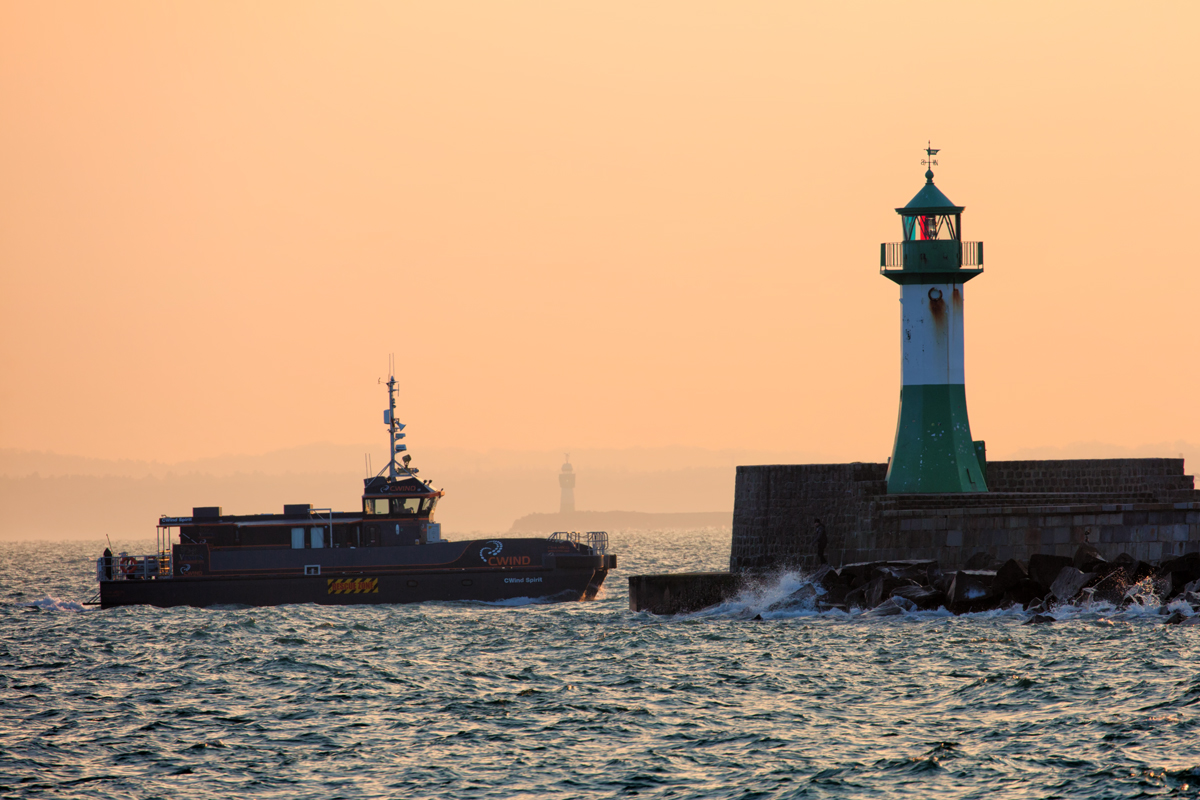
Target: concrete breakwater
x,y
884,588
1138,517
1147,507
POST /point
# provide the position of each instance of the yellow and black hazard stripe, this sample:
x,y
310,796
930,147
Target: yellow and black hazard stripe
x,y
352,585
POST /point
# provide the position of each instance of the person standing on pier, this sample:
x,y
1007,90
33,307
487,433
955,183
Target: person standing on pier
x,y
822,540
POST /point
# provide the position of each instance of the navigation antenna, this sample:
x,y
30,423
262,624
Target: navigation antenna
x,y
395,428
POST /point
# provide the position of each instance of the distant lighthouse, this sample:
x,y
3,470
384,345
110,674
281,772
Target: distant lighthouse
x,y
933,451
566,480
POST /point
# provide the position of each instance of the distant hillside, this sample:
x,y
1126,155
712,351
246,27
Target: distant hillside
x,y
621,520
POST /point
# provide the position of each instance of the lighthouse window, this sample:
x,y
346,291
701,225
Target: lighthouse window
x,y
931,227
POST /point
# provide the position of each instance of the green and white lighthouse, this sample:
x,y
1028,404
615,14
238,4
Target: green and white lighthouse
x,y
934,451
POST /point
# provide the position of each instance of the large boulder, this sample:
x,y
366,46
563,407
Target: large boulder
x,y
942,582
916,572
835,595
1182,571
859,573
1008,576
856,598
1111,588
824,574
893,606
1012,584
920,565
923,597
971,589
1088,559
804,597
981,560
1022,594
1187,564
1170,584
1134,570
1069,584
1044,568
881,588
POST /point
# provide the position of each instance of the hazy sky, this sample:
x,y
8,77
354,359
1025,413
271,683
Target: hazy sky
x,y
605,224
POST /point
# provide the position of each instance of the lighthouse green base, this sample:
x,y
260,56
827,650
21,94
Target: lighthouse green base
x,y
934,451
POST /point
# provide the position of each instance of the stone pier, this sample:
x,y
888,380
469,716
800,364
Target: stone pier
x,y
1146,507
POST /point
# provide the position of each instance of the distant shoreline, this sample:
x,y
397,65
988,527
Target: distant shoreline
x,y
620,520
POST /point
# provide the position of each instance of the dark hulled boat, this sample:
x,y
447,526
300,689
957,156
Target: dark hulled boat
x,y
389,552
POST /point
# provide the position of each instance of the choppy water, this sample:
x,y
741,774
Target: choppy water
x,y
581,700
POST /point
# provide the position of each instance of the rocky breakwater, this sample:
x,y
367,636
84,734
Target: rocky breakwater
x,y
883,588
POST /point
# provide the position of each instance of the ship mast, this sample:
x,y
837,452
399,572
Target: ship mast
x,y
395,431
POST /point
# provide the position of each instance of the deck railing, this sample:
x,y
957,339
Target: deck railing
x,y
597,540
126,567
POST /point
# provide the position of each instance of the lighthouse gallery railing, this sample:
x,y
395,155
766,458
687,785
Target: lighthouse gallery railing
x,y
891,255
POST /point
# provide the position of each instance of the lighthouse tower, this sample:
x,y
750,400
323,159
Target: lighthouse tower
x,y
934,451
566,480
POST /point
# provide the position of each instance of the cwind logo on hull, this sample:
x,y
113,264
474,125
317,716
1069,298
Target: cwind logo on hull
x,y
490,549
490,554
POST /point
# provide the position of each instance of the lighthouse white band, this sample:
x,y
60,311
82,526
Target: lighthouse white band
x,y
931,334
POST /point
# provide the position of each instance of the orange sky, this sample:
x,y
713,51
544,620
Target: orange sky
x,y
585,225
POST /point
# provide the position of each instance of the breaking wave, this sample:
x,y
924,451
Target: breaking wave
x,y
49,603
793,594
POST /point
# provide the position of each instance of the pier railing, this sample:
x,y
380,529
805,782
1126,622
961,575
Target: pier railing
x,y
597,540
127,567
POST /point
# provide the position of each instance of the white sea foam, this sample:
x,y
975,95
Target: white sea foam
x,y
511,601
767,598
49,603
772,598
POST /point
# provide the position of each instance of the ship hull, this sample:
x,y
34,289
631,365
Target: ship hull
x,y
547,585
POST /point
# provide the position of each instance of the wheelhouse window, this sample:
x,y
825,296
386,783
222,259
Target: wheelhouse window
x,y
297,538
375,505
318,537
406,505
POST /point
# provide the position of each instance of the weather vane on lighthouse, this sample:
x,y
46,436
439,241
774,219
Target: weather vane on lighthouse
x,y
930,151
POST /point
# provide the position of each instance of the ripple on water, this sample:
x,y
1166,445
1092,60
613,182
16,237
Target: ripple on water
x,y
584,700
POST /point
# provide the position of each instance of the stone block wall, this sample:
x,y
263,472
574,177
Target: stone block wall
x,y
1147,531
1160,477
775,506
1146,507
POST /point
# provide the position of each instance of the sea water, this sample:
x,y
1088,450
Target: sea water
x,y
582,700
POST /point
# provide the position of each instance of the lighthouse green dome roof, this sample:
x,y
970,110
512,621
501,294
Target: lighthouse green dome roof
x,y
929,200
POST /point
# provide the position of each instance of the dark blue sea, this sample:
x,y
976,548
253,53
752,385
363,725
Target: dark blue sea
x,y
582,700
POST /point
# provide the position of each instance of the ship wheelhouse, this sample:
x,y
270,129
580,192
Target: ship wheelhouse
x,y
395,513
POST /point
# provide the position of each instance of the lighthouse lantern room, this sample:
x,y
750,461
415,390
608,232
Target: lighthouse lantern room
x,y
933,451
